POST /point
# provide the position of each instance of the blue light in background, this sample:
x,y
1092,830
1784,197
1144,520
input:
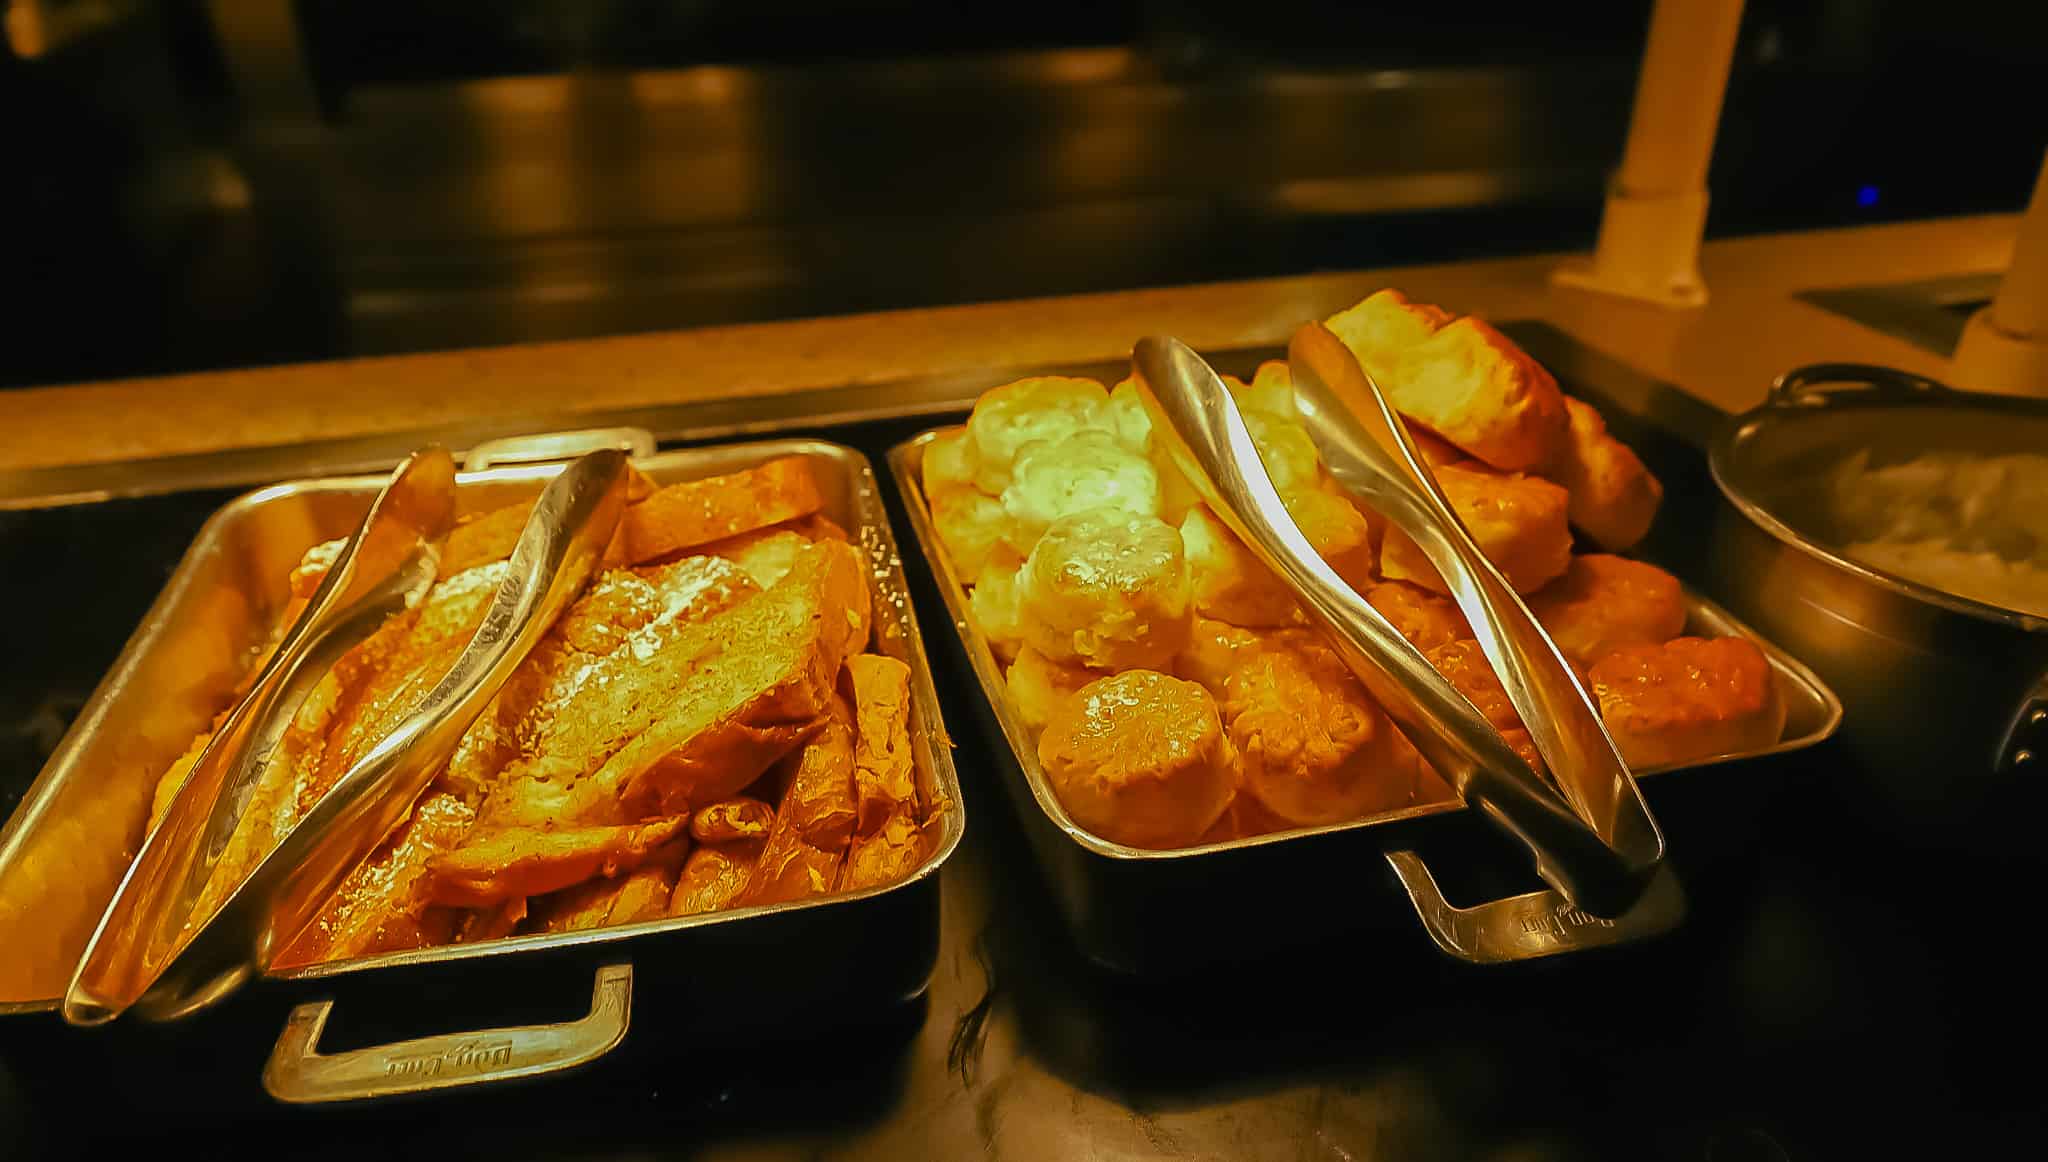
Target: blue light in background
x,y
1866,196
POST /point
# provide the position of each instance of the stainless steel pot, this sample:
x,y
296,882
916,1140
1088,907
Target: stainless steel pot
x,y
1946,697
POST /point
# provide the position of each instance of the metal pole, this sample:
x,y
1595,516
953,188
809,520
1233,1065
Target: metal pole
x,y
1657,201
2004,347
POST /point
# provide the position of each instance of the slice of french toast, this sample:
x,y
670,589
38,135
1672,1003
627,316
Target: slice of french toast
x,y
704,713
383,905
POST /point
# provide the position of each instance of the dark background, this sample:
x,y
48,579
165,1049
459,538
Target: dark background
x,y
201,185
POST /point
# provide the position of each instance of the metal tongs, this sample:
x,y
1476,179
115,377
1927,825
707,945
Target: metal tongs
x,y
152,951
1596,844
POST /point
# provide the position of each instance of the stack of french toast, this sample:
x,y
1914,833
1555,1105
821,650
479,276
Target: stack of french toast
x,y
701,729
1177,693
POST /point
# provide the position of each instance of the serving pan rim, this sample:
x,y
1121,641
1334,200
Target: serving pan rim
x,y
905,460
873,534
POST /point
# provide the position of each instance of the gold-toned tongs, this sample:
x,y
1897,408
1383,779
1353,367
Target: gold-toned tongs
x,y
151,950
1597,845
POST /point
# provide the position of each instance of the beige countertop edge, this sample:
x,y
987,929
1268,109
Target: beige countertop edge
x,y
1726,352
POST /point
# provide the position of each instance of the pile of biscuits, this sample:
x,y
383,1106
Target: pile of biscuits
x,y
1177,693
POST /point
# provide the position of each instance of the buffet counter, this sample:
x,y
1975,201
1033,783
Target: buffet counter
x,y
1754,328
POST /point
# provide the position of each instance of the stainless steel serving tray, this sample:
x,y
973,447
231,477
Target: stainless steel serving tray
x,y
64,850
1137,909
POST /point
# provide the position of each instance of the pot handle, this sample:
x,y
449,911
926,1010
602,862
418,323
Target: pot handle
x,y
298,1073
1809,385
1534,925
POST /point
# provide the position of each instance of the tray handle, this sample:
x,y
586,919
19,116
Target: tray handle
x,y
548,447
298,1073
1810,385
1534,925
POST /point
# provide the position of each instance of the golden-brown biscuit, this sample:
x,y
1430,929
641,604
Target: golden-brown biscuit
x,y
1133,427
1107,589
994,604
1127,418
1340,533
972,526
1140,758
1243,819
1226,581
1465,664
1177,494
948,462
1603,603
1214,651
1518,522
1271,390
1614,498
1224,829
1287,451
1315,747
1688,699
1383,327
1426,619
1038,685
1013,415
1086,470
1471,385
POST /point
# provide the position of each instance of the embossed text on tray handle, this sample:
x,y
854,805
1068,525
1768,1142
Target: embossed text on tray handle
x,y
299,1073
1535,924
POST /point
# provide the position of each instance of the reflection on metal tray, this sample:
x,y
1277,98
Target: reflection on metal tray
x,y
65,848
1131,907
